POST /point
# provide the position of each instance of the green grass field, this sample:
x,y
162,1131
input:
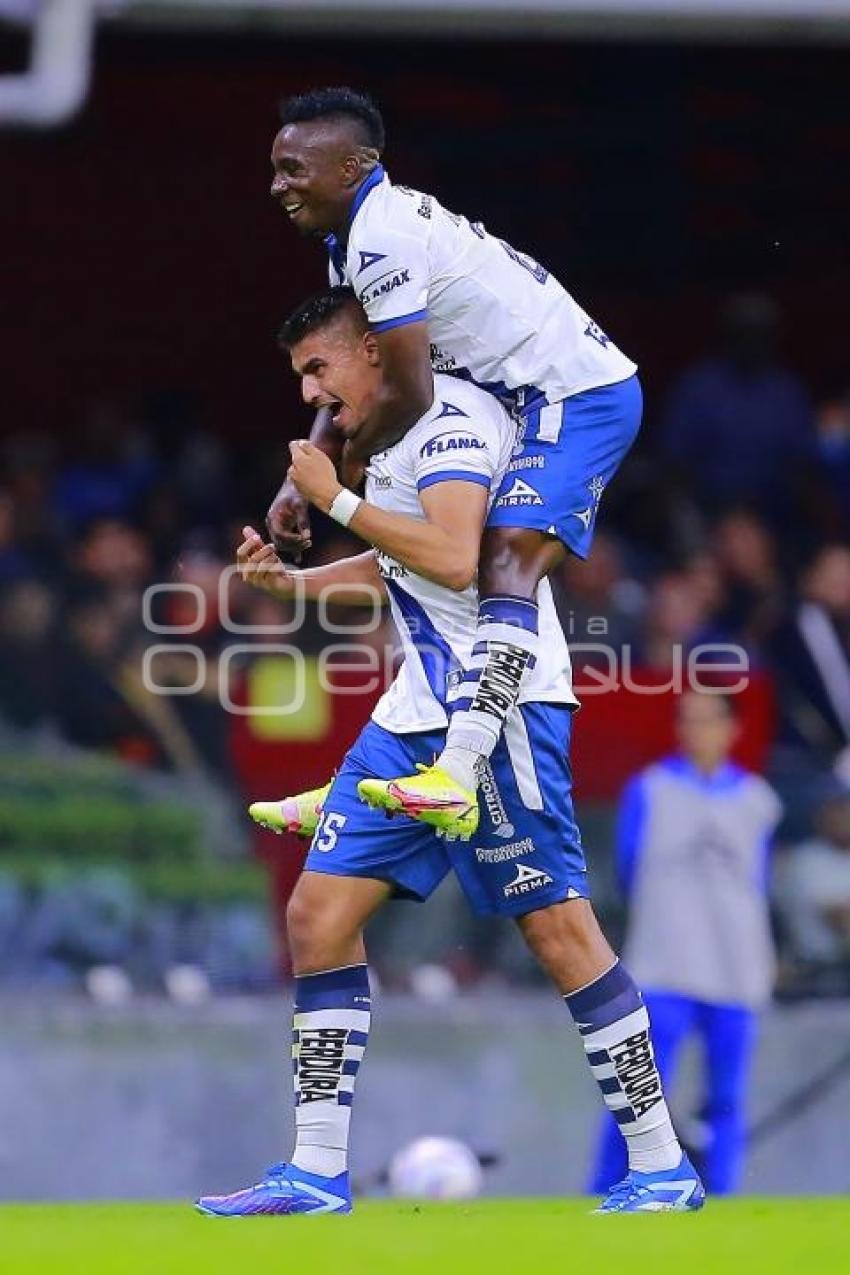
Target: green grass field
x,y
808,1237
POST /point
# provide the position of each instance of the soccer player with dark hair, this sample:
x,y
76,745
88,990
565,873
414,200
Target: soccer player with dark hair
x,y
426,501
442,294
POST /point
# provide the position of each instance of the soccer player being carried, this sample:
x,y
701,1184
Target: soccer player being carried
x,y
441,292
425,505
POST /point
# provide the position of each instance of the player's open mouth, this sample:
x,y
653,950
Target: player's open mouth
x,y
292,209
336,408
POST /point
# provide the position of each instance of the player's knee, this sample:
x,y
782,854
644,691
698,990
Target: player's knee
x,y
515,559
304,931
566,938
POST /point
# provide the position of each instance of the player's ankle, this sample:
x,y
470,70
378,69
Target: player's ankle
x,y
462,765
657,1159
326,1162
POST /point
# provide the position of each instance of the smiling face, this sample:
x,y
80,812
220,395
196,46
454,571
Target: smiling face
x,y
339,367
316,171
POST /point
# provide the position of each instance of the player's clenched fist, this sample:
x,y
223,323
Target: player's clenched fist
x,y
313,473
260,566
288,521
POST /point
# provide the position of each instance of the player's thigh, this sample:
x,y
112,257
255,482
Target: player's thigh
x,y
527,852
354,840
569,453
514,560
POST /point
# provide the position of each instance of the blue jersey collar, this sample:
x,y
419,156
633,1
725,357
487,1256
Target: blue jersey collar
x,y
727,774
374,179
337,248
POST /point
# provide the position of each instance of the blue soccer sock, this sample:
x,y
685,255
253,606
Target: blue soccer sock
x,y
330,1030
614,1026
506,644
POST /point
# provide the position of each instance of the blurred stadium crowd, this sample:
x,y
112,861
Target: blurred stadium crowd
x,y
729,524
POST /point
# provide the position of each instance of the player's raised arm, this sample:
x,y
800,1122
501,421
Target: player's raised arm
x,y
288,518
443,548
407,389
390,277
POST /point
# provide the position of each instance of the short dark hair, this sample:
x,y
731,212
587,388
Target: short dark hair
x,y
318,312
323,103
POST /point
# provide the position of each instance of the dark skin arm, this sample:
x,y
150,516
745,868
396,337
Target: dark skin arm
x,y
407,393
288,518
407,389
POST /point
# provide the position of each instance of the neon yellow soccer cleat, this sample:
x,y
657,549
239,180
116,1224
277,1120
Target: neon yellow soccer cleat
x,y
291,814
431,796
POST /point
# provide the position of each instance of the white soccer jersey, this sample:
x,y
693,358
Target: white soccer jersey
x,y
494,315
465,435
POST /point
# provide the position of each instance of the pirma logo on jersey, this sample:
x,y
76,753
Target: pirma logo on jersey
x,y
526,880
451,442
520,494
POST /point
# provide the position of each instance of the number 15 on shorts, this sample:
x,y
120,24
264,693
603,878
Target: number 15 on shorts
x,y
327,830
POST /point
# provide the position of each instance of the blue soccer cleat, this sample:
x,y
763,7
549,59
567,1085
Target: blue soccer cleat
x,y
676,1190
284,1189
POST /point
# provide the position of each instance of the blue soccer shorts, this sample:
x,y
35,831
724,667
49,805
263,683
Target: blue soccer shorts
x,y
527,853
566,456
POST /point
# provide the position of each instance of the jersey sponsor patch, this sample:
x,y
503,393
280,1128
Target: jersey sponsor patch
x,y
637,1073
526,880
442,444
320,1057
503,854
489,792
521,493
449,409
387,283
368,259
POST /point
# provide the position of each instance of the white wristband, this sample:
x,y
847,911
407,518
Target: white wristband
x,y
344,506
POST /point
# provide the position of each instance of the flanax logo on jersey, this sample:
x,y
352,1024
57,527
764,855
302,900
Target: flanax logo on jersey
x,y
451,441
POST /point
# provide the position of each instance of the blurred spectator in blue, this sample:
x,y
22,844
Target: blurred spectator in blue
x,y
103,701
754,592
27,654
692,849
810,653
111,469
737,427
15,563
598,600
813,888
833,445
115,557
91,708
679,614
27,460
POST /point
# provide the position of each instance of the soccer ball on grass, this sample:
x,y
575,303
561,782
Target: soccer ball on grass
x,y
435,1169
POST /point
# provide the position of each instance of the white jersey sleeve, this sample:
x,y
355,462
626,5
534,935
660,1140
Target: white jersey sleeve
x,y
454,444
387,266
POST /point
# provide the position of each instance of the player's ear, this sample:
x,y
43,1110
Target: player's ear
x,y
351,170
373,350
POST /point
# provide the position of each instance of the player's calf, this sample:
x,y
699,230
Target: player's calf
x,y
513,562
608,1010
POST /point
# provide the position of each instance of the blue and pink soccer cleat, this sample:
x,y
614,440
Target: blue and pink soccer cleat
x,y
284,1189
676,1190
